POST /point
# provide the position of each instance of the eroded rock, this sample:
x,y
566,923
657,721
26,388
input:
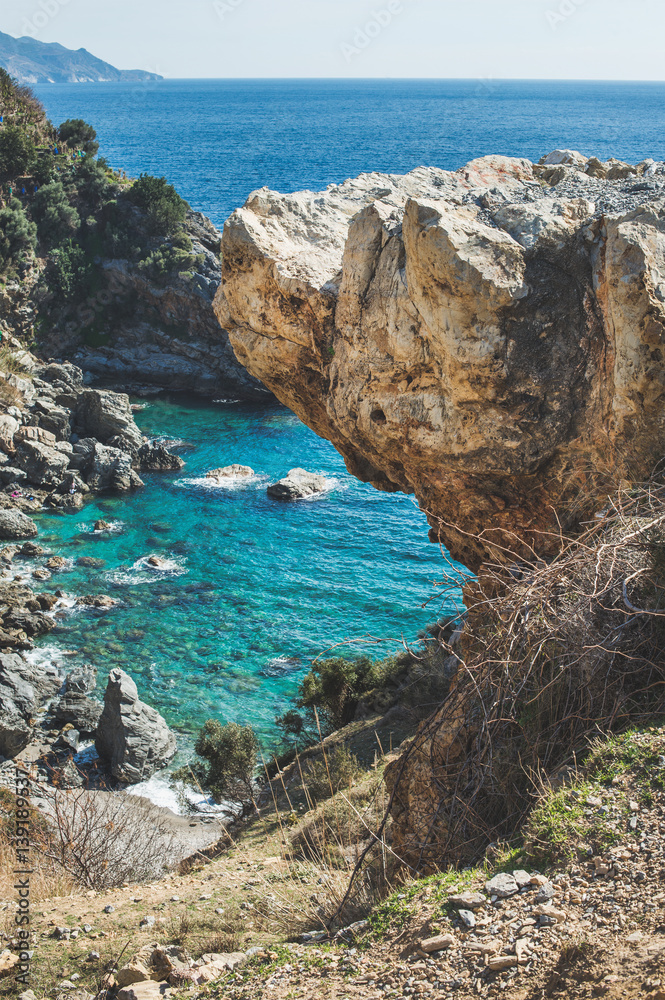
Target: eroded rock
x,y
489,339
132,737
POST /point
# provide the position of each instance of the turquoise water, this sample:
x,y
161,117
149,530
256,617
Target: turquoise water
x,y
256,588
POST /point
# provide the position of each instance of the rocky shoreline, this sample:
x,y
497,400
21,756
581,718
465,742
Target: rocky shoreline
x,y
61,443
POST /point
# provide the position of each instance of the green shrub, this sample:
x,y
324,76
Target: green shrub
x,y
77,134
17,153
166,261
70,270
92,182
18,236
229,756
326,777
163,206
56,219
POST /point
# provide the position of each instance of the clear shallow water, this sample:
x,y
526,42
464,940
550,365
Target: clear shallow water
x,y
218,140
255,588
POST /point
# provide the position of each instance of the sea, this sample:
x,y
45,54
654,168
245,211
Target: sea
x,y
253,591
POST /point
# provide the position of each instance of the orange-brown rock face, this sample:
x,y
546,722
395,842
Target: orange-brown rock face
x,y
481,339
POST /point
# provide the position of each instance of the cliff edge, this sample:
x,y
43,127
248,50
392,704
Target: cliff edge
x,y
489,339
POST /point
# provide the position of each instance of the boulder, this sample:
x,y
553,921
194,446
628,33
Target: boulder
x,y
43,464
10,475
15,525
8,428
132,737
447,330
24,691
298,485
53,418
108,417
111,469
157,458
230,470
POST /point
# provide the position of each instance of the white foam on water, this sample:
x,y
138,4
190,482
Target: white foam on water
x,y
161,792
46,656
114,528
224,482
143,572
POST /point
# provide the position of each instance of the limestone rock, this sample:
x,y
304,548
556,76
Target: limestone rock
x,y
111,469
108,417
16,525
440,943
43,464
131,736
8,428
24,690
229,471
488,339
502,886
298,485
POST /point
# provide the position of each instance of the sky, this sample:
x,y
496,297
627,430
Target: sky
x,y
477,39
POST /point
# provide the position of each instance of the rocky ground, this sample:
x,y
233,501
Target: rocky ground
x,y
574,909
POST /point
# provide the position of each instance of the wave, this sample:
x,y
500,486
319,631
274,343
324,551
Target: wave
x,y
142,572
180,799
224,483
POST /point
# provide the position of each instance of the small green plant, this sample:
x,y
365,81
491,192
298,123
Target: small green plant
x,y
228,761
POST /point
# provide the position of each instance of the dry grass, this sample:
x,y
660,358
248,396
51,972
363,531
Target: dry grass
x,y
552,653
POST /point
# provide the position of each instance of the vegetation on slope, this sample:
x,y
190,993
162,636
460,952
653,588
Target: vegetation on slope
x,y
64,211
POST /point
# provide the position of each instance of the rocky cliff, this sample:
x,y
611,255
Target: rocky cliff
x,y
490,339
155,333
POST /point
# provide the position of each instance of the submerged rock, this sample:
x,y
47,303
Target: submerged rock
x,y
131,736
298,485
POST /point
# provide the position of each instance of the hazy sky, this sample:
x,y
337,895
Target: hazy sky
x,y
569,39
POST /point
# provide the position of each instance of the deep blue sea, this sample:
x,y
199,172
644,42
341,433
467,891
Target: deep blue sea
x,y
257,589
219,140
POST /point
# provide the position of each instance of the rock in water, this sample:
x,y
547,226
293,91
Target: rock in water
x,y
157,458
448,331
131,736
15,525
230,470
298,485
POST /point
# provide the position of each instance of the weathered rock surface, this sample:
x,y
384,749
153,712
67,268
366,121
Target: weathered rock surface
x,y
132,737
298,485
16,525
108,417
75,706
24,689
490,339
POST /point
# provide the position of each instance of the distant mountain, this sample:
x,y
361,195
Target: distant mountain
x,y
30,61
